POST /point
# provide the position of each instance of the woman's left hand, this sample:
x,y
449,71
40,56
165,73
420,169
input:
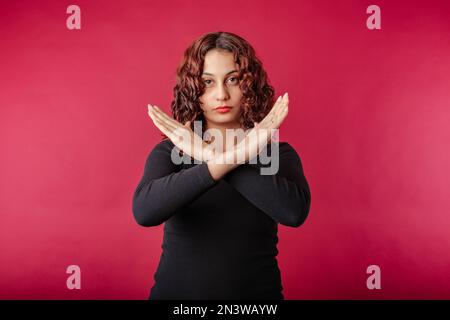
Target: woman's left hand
x,y
260,135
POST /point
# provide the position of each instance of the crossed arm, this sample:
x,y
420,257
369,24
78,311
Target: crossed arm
x,y
248,148
284,196
164,189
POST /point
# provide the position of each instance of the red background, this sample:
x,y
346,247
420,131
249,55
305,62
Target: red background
x,y
369,117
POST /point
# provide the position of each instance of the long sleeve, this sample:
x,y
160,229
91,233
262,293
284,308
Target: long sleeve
x,y
164,188
284,196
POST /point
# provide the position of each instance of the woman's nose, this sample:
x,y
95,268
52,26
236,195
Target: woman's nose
x,y
222,93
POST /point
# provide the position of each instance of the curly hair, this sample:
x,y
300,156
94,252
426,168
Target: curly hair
x,y
258,94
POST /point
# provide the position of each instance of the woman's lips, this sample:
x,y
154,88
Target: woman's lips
x,y
223,109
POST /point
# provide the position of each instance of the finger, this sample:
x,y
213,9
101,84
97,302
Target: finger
x,y
285,108
277,105
270,120
272,113
174,133
282,116
284,105
265,123
161,113
160,116
164,116
284,101
150,112
159,123
280,102
268,117
155,117
161,127
168,132
153,110
274,107
276,120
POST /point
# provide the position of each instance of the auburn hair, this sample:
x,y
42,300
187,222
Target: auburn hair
x,y
258,94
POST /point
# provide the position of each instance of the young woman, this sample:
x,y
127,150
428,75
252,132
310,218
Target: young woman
x,y
220,217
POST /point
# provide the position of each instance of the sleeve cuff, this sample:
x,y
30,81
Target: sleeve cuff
x,y
205,176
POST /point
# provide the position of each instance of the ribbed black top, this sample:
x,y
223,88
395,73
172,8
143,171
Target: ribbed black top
x,y
220,237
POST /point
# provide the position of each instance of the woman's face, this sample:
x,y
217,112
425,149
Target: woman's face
x,y
221,89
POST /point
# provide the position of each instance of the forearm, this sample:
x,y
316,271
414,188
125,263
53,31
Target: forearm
x,y
220,163
286,201
218,170
156,200
285,195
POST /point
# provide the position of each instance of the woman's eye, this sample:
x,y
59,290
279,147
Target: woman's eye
x,y
232,80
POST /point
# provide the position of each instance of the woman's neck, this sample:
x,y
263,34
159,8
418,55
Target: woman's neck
x,y
220,132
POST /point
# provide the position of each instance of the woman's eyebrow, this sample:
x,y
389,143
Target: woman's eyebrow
x,y
210,74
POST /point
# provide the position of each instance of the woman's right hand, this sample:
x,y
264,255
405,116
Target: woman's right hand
x,y
181,135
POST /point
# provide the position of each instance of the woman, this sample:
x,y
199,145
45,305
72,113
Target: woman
x,y
220,217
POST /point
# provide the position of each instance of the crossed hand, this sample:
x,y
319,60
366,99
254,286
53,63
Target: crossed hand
x,y
192,144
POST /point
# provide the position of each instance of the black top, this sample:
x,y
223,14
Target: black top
x,y
220,237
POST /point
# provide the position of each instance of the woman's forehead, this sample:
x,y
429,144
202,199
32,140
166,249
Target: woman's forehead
x,y
219,62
